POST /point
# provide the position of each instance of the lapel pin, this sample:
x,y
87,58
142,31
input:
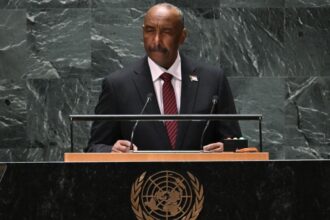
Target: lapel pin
x,y
193,78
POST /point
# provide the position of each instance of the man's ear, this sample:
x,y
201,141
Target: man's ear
x,y
183,35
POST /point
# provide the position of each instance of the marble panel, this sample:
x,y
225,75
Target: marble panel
x,y
252,41
307,110
307,41
5,156
12,114
252,4
116,38
307,3
12,90
22,154
264,96
13,49
59,42
203,39
147,3
50,102
122,3
14,4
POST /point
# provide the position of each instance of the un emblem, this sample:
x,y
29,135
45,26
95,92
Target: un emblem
x,y
167,195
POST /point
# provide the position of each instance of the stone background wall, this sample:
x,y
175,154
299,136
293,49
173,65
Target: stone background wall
x,y
54,54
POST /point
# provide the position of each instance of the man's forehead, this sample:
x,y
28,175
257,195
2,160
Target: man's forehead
x,y
161,14
161,11
160,21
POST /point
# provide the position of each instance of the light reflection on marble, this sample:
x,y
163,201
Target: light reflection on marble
x,y
116,39
12,114
252,42
308,117
203,40
12,88
59,41
307,3
252,4
14,4
122,3
13,49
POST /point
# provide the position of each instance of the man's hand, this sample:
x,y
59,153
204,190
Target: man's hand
x,y
214,147
123,146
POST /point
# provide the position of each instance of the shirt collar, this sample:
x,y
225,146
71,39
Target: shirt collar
x,y
157,71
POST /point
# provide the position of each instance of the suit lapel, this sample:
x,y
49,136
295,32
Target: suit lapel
x,y
189,89
144,85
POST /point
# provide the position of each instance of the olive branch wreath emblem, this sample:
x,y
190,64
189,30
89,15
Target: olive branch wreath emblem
x,y
192,214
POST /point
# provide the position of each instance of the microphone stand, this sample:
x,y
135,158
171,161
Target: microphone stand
x,y
214,102
149,98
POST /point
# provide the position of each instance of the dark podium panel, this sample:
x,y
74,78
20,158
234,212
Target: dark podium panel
x,y
231,190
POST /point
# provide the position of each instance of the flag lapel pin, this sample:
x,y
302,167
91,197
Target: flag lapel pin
x,y
193,78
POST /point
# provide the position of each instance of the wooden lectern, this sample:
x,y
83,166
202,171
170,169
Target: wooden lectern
x,y
164,157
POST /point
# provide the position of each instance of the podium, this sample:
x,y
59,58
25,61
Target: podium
x,y
229,189
165,157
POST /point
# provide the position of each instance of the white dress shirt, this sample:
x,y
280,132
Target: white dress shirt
x,y
175,71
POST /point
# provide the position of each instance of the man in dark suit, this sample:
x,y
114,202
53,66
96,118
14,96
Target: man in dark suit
x,y
178,84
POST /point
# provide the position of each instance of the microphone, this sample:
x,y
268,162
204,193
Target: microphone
x,y
149,98
214,102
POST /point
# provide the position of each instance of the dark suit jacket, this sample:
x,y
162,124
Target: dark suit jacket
x,y
125,92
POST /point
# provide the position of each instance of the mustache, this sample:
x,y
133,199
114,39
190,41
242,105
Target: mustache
x,y
158,48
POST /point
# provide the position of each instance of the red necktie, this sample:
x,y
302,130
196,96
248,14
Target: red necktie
x,y
169,104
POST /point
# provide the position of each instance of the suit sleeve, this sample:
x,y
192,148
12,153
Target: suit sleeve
x,y
226,105
104,133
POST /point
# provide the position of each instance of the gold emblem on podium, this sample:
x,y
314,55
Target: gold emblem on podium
x,y
167,195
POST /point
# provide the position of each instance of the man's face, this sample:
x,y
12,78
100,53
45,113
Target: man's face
x,y
163,33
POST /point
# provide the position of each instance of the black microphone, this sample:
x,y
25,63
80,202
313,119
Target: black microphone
x,y
214,102
149,98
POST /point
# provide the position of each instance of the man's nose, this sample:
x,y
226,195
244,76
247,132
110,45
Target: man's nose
x,y
157,37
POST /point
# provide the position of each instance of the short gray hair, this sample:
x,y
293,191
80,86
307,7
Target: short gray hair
x,y
170,6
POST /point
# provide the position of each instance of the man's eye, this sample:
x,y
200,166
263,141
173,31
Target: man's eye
x,y
149,30
167,31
